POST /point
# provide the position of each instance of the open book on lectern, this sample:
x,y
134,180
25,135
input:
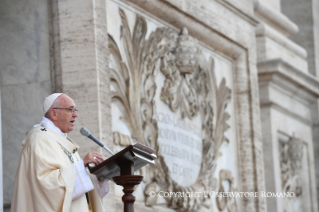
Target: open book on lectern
x,y
136,156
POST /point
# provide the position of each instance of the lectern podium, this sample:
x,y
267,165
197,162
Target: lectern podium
x,y
120,168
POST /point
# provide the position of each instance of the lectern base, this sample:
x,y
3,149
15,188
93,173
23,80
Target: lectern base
x,y
128,182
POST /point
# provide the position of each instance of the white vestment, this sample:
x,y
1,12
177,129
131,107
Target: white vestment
x,y
46,176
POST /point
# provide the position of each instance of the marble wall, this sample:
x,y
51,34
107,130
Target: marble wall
x,y
24,77
1,165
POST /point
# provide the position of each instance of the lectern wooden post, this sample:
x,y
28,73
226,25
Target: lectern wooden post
x,y
120,168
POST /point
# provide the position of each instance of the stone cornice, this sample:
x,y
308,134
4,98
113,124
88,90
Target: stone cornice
x,y
244,15
279,20
288,77
264,30
198,27
287,112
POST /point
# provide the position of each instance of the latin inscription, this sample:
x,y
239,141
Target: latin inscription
x,y
181,145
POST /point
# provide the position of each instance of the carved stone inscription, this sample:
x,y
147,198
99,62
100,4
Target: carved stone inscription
x,y
181,145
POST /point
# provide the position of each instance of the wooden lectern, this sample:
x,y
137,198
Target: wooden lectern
x,y
120,168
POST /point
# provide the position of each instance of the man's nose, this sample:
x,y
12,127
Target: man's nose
x,y
75,114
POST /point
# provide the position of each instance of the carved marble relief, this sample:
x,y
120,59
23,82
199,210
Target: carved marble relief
x,y
191,93
226,202
291,153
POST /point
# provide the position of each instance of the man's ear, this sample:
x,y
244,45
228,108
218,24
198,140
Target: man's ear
x,y
53,114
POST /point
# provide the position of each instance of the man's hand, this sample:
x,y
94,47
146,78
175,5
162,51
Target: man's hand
x,y
93,157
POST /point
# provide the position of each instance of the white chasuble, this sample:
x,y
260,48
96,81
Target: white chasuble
x,y
45,177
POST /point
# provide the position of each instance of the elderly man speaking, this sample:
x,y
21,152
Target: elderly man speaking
x,y
51,175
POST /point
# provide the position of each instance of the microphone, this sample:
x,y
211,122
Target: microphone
x,y
87,133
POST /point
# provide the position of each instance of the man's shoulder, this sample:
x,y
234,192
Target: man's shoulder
x,y
37,135
41,137
37,131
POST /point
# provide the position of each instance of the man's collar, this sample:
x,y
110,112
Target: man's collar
x,y
47,123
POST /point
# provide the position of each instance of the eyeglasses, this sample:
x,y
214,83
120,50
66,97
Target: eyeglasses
x,y
71,110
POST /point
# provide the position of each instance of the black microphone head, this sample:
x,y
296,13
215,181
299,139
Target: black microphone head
x,y
85,131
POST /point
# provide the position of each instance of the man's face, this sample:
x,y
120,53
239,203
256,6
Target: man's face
x,y
65,118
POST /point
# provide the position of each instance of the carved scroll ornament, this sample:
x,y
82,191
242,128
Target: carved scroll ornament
x,y
189,84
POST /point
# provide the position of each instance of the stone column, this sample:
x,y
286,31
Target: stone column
x,y
80,66
24,79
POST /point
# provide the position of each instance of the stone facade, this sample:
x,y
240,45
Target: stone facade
x,y
217,88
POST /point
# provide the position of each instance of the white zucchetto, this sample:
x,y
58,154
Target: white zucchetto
x,y
49,100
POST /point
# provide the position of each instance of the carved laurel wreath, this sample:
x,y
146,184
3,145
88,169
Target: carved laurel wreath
x,y
189,84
